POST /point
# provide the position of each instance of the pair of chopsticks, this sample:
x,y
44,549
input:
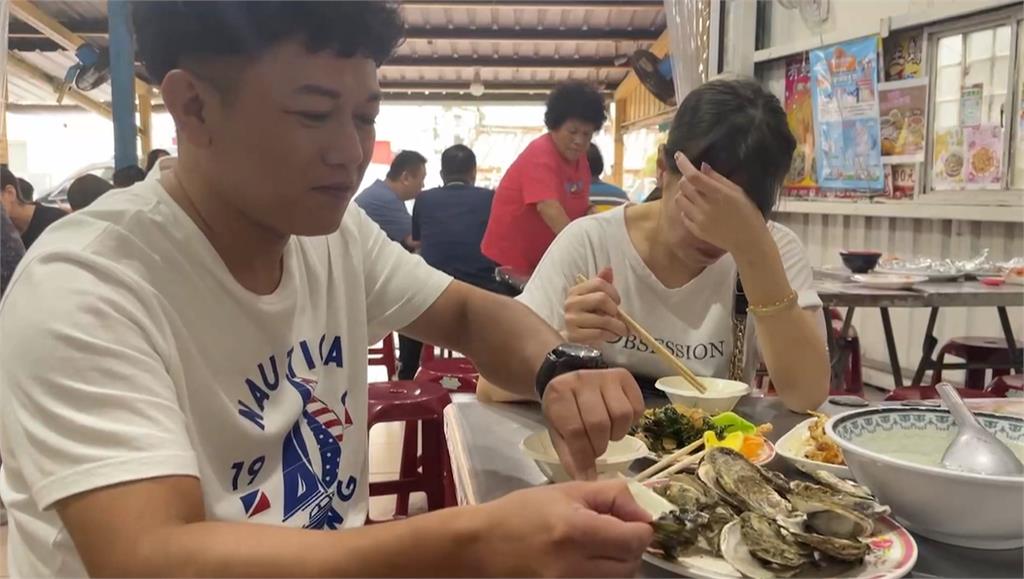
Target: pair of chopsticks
x,y
674,462
667,356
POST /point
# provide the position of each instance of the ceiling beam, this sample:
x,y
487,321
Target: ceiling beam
x,y
427,86
533,34
535,5
503,62
29,13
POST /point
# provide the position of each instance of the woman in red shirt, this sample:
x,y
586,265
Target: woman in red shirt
x,y
548,185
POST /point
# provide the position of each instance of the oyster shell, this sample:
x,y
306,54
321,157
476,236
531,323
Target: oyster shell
x,y
769,543
711,533
687,492
678,530
816,493
742,483
839,485
827,516
839,549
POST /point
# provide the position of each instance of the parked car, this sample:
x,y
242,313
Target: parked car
x,y
59,195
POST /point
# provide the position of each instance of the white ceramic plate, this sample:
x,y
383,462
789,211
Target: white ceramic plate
x,y
888,281
892,555
793,444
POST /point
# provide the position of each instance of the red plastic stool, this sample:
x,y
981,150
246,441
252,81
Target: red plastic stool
x,y
420,405
454,374
1007,386
929,393
976,350
384,355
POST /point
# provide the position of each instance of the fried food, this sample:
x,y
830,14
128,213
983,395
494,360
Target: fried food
x,y
821,448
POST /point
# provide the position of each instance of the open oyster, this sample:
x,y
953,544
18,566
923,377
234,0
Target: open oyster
x,y
866,507
839,485
828,517
677,531
839,549
742,483
757,547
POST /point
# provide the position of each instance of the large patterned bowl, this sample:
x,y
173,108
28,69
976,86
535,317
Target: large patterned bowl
x,y
897,452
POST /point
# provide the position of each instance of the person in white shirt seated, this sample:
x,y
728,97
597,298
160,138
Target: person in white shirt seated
x,y
673,264
183,386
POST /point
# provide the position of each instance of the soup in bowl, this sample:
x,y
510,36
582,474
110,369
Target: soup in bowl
x,y
897,452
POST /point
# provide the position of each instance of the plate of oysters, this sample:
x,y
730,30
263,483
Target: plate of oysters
x,y
737,519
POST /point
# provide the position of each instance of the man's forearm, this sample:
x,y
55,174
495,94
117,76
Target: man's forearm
x,y
437,544
508,342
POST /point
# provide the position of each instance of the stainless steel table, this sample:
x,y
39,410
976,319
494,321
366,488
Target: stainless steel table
x,y
483,440
935,295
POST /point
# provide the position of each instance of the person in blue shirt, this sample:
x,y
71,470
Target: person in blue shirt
x,y
384,201
449,222
602,193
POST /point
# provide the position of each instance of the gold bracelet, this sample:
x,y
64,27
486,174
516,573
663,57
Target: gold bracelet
x,y
778,306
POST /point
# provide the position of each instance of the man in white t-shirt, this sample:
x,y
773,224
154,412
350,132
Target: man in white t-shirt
x,y
188,355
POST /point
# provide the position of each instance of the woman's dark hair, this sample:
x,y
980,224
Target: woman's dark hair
x,y
574,100
168,31
740,130
154,156
595,160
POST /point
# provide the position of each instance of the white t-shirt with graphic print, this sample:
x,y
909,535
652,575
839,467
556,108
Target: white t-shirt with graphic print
x,y
694,322
130,352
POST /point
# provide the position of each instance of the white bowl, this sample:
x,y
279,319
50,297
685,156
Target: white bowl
x,y
615,460
793,444
970,510
722,395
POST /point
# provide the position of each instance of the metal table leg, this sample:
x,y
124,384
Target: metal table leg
x,y
1011,342
890,342
927,348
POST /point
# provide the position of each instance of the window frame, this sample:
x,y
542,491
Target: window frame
x,y
964,26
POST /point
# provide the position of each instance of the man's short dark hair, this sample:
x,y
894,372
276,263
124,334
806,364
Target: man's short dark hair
x,y
170,31
405,161
128,176
26,190
595,160
457,162
86,189
7,178
574,100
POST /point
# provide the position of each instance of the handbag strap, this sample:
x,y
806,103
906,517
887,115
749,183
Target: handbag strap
x,y
739,330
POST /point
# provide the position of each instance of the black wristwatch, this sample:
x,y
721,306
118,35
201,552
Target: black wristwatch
x,y
564,359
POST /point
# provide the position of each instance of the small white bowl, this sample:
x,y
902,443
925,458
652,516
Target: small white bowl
x,y
722,395
615,460
793,444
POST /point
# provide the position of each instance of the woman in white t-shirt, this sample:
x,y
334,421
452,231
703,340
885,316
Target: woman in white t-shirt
x,y
672,264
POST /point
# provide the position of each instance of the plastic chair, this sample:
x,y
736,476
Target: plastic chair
x,y
384,355
976,350
929,393
420,405
1007,386
456,374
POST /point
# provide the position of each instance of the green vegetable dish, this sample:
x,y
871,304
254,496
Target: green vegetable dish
x,y
666,429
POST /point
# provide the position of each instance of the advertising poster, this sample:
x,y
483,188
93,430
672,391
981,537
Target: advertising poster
x,y
948,159
984,159
902,116
970,105
844,88
800,180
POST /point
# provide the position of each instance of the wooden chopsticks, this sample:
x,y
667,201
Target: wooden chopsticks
x,y
667,356
673,461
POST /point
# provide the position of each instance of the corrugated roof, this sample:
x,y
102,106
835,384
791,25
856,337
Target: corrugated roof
x,y
517,47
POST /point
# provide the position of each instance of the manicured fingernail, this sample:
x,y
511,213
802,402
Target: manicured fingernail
x,y
705,168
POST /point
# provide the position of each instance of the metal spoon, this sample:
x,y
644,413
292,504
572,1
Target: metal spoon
x,y
975,449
